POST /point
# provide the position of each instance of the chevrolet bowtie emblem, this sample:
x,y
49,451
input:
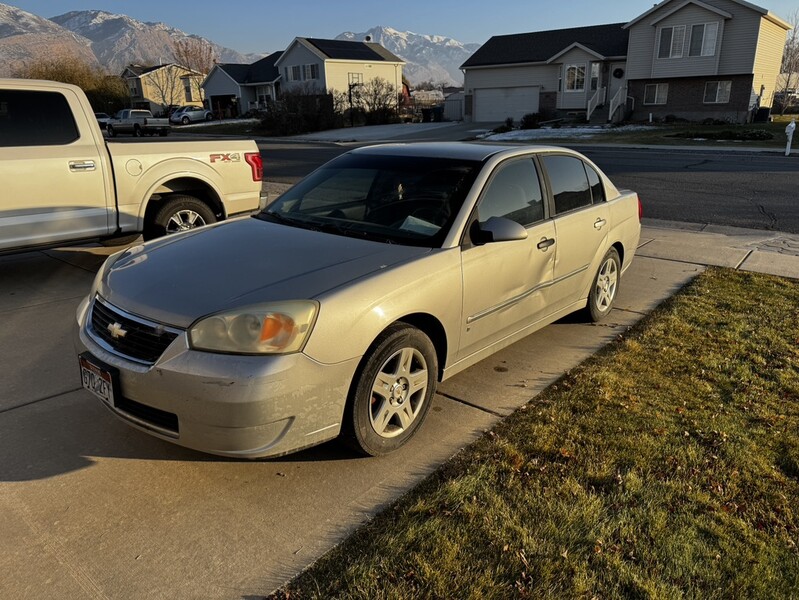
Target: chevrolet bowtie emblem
x,y
116,330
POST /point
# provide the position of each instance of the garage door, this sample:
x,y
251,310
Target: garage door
x,y
497,104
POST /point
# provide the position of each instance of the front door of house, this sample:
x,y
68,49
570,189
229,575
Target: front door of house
x,y
617,78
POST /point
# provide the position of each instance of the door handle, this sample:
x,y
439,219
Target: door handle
x,y
600,223
83,165
545,243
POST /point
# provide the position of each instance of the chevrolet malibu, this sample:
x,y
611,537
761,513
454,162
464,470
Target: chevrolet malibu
x,y
337,309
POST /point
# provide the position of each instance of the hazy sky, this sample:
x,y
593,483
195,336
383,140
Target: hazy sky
x,y
269,25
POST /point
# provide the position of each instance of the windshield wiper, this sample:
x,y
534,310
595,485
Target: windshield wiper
x,y
284,220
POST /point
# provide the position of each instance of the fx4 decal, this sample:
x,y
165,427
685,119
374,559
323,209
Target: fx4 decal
x,y
229,157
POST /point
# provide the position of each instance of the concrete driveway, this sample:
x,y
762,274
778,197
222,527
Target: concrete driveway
x,y
90,508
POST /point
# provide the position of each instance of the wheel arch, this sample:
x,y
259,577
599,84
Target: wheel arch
x,y
620,249
432,328
190,186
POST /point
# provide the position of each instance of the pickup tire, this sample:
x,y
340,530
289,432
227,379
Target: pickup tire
x,y
179,213
137,131
111,131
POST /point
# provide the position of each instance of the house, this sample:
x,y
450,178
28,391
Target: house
x,y
715,59
563,69
236,89
687,58
159,87
336,65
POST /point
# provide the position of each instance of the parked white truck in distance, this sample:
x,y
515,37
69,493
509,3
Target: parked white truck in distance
x,y
138,122
63,182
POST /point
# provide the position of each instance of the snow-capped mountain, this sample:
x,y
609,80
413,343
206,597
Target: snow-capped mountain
x,y
25,37
119,40
427,57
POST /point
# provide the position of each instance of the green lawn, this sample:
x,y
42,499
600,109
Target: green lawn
x,y
666,466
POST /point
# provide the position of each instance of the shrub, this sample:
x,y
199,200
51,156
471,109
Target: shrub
x,y
530,121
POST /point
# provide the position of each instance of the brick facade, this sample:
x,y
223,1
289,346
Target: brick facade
x,y
685,99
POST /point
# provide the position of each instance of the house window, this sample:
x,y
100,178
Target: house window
x,y
187,90
575,78
671,42
312,71
656,93
703,39
717,92
594,76
296,73
355,78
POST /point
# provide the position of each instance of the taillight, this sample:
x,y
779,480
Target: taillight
x,y
640,210
256,164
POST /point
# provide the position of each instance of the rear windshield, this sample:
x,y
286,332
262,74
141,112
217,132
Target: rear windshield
x,y
396,199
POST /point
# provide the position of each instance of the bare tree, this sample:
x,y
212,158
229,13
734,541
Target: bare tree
x,y
379,99
198,55
166,85
790,62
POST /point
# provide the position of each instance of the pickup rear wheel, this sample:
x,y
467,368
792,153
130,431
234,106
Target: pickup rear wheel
x,y
111,131
179,213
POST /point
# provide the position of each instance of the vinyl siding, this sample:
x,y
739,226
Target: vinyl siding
x,y
567,100
299,55
687,66
545,76
768,60
220,84
337,73
735,45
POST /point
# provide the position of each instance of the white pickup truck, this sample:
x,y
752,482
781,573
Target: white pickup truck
x,y
138,122
62,182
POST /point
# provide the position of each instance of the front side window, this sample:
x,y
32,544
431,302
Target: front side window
x,y
656,93
594,76
671,42
30,118
570,187
312,71
717,92
703,39
394,199
296,73
514,192
575,78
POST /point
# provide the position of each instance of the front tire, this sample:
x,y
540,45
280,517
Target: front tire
x,y
111,131
185,120
179,213
392,392
605,287
137,131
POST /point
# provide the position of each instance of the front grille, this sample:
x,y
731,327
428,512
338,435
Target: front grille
x,y
135,338
156,416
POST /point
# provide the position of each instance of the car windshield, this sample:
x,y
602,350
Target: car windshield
x,y
393,199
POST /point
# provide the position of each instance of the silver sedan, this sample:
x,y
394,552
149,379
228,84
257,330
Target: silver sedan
x,y
337,309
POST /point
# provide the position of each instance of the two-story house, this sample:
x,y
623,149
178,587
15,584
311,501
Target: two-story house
x,y
338,65
704,59
159,87
693,59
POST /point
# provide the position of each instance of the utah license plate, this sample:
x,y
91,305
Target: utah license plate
x,y
97,380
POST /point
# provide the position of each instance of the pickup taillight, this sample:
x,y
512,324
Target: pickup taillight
x,y
256,164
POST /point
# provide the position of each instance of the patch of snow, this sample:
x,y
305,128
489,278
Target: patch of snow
x,y
519,135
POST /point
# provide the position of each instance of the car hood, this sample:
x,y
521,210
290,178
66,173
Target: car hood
x,y
180,278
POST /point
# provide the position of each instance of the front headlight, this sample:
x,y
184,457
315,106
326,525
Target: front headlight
x,y
275,328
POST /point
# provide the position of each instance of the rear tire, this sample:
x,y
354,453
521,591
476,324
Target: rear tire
x,y
111,131
179,213
605,287
392,391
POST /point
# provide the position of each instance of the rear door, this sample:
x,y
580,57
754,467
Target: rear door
x,y
53,175
505,284
582,223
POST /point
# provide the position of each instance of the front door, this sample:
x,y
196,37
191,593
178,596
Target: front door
x,y
505,284
617,78
53,175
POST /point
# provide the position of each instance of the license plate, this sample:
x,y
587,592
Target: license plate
x,y
97,380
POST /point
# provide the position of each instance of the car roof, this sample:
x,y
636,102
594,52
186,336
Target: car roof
x,y
457,150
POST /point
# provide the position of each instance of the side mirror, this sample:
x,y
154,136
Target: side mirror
x,y
497,229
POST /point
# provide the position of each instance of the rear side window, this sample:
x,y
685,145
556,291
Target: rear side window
x,y
569,182
514,192
597,189
30,118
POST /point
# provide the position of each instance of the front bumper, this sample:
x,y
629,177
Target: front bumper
x,y
229,405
